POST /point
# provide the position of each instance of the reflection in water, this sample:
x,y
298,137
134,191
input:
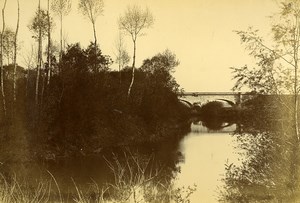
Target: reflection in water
x,y
227,164
151,166
199,127
205,155
270,168
197,159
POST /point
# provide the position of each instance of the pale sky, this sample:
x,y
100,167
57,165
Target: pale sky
x,y
199,32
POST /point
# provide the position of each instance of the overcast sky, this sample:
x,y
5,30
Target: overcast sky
x,y
199,32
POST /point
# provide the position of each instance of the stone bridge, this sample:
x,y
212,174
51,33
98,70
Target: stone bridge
x,y
200,98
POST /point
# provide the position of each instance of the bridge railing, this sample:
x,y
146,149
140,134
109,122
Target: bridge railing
x,y
212,93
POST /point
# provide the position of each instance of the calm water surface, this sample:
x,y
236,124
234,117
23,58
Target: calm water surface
x,y
249,166
205,154
198,158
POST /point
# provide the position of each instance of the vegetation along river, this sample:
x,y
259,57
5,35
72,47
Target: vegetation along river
x,y
229,163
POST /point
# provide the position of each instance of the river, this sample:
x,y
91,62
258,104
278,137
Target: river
x,y
227,164
205,154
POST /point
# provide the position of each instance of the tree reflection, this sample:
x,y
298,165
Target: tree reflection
x,y
214,124
269,170
142,173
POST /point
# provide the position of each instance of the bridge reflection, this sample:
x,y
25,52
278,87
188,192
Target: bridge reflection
x,y
200,128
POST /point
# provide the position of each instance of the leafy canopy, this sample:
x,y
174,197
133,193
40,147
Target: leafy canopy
x,y
61,7
40,22
277,58
135,20
159,69
91,8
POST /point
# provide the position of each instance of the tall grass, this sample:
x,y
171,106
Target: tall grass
x,y
135,180
11,191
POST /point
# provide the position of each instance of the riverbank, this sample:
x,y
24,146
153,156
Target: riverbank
x,y
21,143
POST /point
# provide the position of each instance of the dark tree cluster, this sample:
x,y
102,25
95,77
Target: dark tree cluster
x,y
85,107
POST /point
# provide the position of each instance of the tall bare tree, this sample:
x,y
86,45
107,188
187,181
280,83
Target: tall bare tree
x,y
133,22
40,46
49,44
61,8
48,70
1,61
39,28
15,52
92,9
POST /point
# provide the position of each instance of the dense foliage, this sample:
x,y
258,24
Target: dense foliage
x,y
85,107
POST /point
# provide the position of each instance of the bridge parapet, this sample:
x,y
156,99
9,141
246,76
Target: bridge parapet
x,y
209,93
201,98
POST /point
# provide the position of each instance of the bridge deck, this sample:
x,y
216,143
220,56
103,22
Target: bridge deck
x,y
227,93
212,93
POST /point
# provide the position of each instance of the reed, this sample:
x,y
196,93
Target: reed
x,y
11,191
135,180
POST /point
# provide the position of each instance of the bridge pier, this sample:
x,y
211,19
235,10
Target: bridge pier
x,y
238,100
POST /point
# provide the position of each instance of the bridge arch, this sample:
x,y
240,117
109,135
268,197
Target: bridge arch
x,y
185,102
201,98
231,103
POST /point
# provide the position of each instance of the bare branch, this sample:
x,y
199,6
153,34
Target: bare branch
x,y
91,9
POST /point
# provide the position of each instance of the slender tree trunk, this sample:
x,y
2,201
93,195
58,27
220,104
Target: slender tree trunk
x,y
296,48
43,88
1,61
133,68
61,33
296,117
49,45
27,80
296,102
120,57
95,37
120,74
15,54
38,78
38,73
39,58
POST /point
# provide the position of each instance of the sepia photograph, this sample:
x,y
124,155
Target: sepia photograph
x,y
148,101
